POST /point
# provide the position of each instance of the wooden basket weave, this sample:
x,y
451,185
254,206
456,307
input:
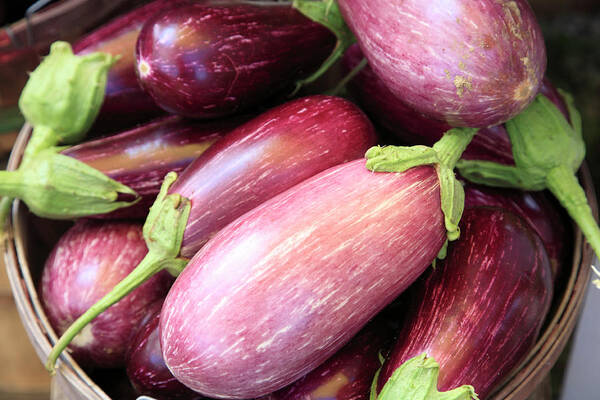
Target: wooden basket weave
x,y
24,260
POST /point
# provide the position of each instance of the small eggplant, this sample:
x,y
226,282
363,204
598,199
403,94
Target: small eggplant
x,y
478,313
471,63
286,285
146,368
140,158
84,265
256,161
216,58
125,103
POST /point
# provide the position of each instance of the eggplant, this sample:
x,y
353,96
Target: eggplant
x,y
480,311
85,263
140,158
465,63
216,58
125,102
146,368
412,127
282,288
538,209
348,374
256,161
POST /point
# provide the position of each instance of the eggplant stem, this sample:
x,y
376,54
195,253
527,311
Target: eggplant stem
x,y
149,266
11,184
341,84
565,186
41,138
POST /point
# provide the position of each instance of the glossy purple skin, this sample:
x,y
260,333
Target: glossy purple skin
x,y
413,127
146,368
89,259
265,156
470,63
216,58
539,209
480,311
286,285
347,375
125,102
140,158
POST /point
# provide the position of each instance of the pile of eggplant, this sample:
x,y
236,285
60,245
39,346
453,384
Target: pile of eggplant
x,y
310,200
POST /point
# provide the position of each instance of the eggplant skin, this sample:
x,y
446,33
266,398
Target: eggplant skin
x,y
266,156
146,368
86,263
471,63
480,311
283,287
212,59
125,102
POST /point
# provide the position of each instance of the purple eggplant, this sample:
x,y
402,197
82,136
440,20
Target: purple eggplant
x,y
266,156
413,127
254,162
216,58
125,103
140,158
146,368
538,209
465,63
83,266
479,313
348,374
286,285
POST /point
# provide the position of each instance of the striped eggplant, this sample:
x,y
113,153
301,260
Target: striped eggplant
x,y
216,58
412,127
140,158
286,285
478,313
125,103
543,214
462,62
84,265
256,161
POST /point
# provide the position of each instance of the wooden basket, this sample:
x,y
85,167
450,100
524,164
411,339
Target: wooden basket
x,y
30,239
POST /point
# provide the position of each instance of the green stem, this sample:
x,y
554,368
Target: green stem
x,y
338,51
149,266
11,183
452,145
565,186
41,138
348,77
5,203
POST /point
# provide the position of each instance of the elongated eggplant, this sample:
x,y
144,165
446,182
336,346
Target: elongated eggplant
x,y
466,63
254,162
479,312
125,102
216,58
140,158
86,262
146,368
538,209
283,287
348,374
413,127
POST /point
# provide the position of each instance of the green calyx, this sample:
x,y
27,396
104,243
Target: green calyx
x,y
60,187
443,155
416,379
326,13
547,151
163,232
65,92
